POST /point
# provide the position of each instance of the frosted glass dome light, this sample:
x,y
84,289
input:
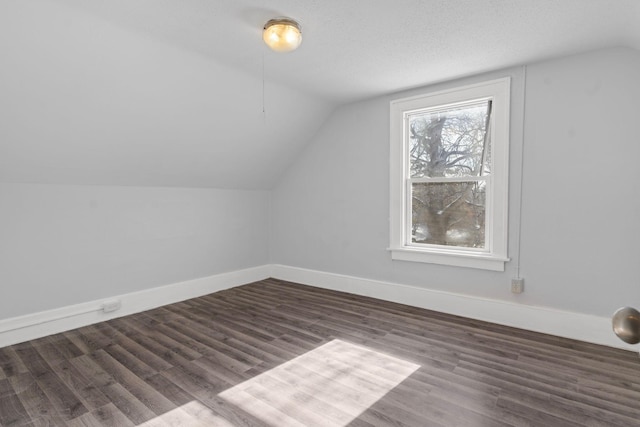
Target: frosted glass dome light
x,y
282,34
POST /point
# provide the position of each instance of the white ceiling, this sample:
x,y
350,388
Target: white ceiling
x,y
171,93
359,48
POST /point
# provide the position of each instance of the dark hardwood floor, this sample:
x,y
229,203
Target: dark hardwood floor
x,y
278,354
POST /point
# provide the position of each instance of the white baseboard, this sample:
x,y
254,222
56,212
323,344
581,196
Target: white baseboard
x,y
578,326
37,325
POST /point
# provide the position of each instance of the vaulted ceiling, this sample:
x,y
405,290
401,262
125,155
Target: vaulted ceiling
x,y
184,93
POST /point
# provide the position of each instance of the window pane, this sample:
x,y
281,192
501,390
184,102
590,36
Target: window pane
x,y
450,142
450,214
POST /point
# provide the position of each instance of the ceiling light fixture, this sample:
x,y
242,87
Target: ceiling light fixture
x,y
282,34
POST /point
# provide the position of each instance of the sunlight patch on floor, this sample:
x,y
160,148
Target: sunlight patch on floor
x,y
192,414
328,386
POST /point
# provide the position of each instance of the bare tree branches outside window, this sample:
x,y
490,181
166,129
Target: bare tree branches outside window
x,y
450,161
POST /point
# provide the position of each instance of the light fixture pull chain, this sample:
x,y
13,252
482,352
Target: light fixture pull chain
x,y
264,111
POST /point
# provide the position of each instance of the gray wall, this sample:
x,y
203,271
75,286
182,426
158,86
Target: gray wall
x,y
63,245
580,185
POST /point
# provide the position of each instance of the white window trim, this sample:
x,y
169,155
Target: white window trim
x,y
495,255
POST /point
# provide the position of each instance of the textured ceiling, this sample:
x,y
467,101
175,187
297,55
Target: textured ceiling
x,y
184,93
359,48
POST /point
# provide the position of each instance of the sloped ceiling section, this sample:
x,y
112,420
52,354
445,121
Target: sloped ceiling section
x,y
87,102
360,48
184,93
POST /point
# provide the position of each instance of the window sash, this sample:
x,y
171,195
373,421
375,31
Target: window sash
x,y
488,215
409,181
449,108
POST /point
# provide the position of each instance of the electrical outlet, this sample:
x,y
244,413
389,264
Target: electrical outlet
x,y
110,306
517,285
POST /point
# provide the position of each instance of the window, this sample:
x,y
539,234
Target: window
x,y
449,176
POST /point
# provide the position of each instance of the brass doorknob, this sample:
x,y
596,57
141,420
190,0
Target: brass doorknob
x,y
626,324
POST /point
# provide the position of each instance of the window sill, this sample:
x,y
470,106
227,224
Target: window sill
x,y
452,258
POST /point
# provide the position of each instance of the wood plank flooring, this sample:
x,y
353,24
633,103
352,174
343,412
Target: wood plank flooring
x,y
274,353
